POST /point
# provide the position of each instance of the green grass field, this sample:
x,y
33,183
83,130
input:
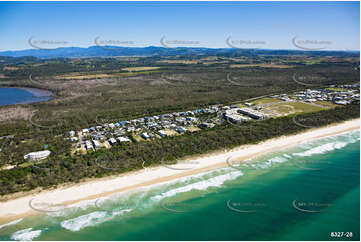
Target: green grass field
x,y
265,101
294,107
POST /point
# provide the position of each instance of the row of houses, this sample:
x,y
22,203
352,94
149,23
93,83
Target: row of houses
x,y
341,97
345,95
95,144
109,134
149,126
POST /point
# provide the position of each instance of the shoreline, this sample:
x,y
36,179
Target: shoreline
x,y
96,188
37,92
38,95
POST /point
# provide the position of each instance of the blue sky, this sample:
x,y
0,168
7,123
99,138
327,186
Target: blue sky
x,y
269,25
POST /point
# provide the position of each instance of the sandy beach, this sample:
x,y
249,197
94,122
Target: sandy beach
x,y
96,188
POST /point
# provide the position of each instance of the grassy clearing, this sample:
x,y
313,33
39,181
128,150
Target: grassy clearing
x,y
261,65
137,138
141,68
327,104
10,68
170,132
187,62
82,77
193,129
294,107
214,62
265,100
336,89
240,105
97,76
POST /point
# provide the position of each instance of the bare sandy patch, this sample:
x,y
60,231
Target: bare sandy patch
x,y
141,68
12,113
261,65
10,68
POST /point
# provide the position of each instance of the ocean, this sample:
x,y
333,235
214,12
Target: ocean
x,y
306,192
10,96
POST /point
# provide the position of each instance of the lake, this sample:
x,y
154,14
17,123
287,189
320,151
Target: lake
x,y
10,96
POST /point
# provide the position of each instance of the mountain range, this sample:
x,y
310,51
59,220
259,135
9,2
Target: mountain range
x,y
112,51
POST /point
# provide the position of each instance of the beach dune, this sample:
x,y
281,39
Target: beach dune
x,y
70,194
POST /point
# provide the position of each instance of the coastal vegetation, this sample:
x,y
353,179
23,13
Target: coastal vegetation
x,y
62,168
87,89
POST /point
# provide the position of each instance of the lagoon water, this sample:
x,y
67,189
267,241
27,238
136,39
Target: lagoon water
x,y
17,96
302,193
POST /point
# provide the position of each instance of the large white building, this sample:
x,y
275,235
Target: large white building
x,y
39,155
233,116
252,113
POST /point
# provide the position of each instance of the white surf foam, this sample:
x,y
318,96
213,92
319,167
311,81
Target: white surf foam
x,y
11,223
90,219
83,221
26,234
201,185
322,149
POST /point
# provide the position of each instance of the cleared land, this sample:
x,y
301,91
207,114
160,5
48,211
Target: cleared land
x,y
141,68
260,65
294,107
265,101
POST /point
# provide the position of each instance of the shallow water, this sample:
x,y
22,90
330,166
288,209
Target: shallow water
x,y
302,193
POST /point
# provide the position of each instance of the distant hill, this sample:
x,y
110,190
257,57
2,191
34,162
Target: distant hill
x,y
109,51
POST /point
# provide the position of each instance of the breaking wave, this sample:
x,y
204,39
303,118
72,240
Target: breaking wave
x,y
26,234
90,219
322,149
11,223
201,185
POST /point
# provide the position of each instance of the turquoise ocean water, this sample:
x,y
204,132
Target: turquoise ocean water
x,y
303,193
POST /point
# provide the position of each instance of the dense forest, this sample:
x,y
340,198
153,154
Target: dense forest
x,y
127,157
121,88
